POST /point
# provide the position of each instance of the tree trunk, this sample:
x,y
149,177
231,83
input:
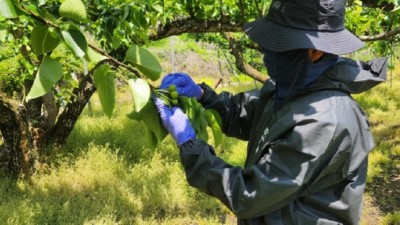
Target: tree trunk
x,y
17,152
27,130
66,121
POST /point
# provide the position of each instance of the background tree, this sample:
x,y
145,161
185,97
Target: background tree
x,y
66,50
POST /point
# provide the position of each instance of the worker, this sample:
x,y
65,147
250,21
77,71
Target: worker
x,y
308,139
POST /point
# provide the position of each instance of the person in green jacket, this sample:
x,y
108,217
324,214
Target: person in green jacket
x,y
308,140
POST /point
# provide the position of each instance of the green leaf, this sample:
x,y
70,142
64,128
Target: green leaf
x,y
76,41
215,123
3,35
150,139
202,117
144,61
50,71
104,81
7,9
74,9
140,91
150,117
134,116
42,40
93,56
42,2
116,42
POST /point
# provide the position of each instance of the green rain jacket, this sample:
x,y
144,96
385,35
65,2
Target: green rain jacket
x,y
306,164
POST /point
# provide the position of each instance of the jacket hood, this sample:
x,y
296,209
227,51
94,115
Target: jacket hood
x,y
357,76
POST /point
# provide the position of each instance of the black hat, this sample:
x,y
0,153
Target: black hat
x,y
310,24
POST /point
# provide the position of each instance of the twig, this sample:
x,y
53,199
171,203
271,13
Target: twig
x,y
115,61
260,14
382,36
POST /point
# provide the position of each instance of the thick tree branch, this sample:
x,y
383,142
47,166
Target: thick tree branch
x,y
382,36
189,25
236,51
71,113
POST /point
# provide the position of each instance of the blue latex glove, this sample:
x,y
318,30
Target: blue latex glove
x,y
176,122
185,86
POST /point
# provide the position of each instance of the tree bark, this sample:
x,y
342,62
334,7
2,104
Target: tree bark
x,y
190,25
387,35
236,50
66,121
17,153
27,132
50,111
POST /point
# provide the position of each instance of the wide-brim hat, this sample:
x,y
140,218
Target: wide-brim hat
x,y
304,24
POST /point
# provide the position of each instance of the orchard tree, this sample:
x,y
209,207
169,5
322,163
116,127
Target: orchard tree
x,y
61,52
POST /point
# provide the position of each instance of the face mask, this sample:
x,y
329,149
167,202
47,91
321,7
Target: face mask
x,y
294,70
285,67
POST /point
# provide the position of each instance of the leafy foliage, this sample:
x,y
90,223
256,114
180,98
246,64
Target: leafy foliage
x,y
49,73
74,9
75,40
7,9
43,40
201,119
144,61
141,93
153,129
104,81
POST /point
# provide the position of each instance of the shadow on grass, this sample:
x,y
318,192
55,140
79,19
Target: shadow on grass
x,y
100,189
385,187
65,205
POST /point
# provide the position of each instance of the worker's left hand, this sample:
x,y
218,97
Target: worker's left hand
x,y
184,85
176,122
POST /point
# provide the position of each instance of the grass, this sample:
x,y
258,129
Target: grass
x,y
106,175
382,105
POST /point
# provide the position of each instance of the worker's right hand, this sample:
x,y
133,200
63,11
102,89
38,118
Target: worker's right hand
x,y
176,122
185,86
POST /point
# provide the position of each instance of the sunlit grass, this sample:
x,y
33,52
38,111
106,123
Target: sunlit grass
x,y
105,175
98,187
382,106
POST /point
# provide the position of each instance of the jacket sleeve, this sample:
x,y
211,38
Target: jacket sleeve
x,y
279,177
236,111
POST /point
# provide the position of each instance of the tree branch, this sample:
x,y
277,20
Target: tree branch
x,y
243,16
236,51
113,60
189,25
67,119
260,14
382,36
